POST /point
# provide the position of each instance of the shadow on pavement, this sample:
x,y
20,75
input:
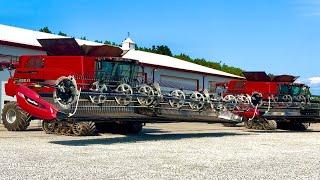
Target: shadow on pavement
x,y
153,130
142,138
34,129
282,131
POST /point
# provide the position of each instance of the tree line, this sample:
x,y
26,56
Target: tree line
x,y
165,50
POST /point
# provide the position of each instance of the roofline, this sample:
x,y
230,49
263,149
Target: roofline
x,y
152,65
190,71
118,59
20,45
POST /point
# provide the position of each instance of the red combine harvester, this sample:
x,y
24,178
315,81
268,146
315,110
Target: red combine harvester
x,y
276,88
77,90
273,98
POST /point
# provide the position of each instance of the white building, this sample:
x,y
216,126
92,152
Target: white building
x,y
175,73
167,71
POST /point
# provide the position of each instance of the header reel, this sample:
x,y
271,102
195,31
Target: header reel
x,y
66,92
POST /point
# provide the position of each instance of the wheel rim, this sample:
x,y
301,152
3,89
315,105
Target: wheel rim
x,y
11,116
197,101
287,98
126,90
179,101
147,91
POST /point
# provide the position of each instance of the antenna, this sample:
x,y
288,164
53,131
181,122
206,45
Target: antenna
x,y
128,34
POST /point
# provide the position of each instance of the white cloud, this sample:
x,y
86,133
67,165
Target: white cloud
x,y
313,83
314,80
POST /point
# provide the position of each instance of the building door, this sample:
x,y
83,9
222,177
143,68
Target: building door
x,y
179,83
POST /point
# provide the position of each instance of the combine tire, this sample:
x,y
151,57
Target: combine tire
x,y
87,128
261,124
48,127
248,124
14,118
270,125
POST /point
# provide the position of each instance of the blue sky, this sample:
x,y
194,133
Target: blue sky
x,y
278,36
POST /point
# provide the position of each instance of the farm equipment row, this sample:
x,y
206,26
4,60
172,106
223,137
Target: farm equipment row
x,y
145,102
92,92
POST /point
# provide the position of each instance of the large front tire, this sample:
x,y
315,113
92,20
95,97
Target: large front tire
x,y
14,118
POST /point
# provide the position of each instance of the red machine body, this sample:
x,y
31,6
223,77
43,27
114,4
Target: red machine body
x,y
65,57
37,74
33,70
32,103
260,82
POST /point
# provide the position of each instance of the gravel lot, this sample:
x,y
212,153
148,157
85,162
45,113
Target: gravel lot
x,y
163,151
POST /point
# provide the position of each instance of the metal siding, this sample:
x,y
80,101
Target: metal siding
x,y
183,74
178,82
17,51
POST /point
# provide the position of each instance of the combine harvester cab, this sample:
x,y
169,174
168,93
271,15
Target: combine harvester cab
x,y
75,89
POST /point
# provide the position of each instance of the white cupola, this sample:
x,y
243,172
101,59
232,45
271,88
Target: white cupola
x,y
128,44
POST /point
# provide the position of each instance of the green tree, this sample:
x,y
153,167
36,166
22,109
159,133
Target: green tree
x,y
62,34
83,38
162,49
107,42
110,43
165,50
45,30
184,57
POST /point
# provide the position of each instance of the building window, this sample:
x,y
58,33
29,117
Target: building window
x,y
8,58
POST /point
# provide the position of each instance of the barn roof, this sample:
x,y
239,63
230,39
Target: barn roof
x,y
29,37
171,62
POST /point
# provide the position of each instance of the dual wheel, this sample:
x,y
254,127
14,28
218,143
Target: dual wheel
x,y
86,128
